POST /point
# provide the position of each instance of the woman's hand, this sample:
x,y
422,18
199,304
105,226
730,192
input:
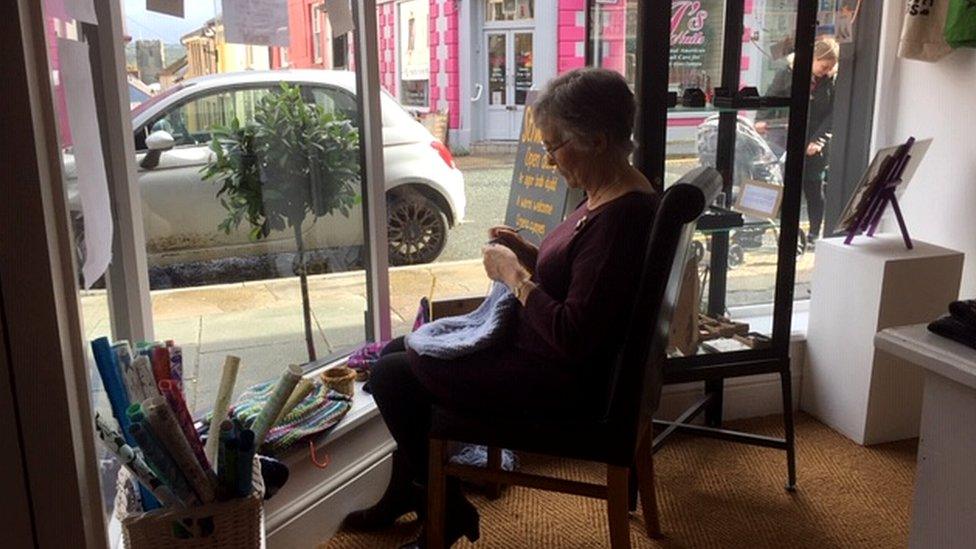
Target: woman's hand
x,y
503,265
524,250
814,148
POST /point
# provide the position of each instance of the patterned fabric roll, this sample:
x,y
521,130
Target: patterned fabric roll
x,y
161,463
167,430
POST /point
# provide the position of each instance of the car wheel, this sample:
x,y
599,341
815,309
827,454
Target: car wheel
x,y
698,250
736,256
417,229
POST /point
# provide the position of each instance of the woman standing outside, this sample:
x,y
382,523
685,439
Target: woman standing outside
x,y
826,54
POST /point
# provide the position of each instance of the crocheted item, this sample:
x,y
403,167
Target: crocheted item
x,y
363,358
457,336
320,410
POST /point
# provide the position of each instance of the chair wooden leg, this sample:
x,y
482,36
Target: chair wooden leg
x,y
436,495
617,514
632,488
493,489
645,477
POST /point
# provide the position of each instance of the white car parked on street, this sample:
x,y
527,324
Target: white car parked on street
x,y
424,189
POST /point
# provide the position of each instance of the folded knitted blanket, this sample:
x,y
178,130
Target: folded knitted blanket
x,y
964,311
458,336
951,328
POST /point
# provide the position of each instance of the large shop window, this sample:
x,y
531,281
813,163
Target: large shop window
x,y
697,29
251,192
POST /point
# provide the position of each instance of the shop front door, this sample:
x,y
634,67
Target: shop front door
x,y
509,76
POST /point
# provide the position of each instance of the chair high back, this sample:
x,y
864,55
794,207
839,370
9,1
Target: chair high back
x,y
635,386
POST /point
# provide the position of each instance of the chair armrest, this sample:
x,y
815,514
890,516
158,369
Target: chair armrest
x,y
454,306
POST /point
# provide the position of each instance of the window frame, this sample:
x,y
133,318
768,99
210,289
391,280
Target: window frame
x,y
315,15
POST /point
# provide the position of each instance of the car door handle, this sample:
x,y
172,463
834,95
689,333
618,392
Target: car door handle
x,y
477,96
511,108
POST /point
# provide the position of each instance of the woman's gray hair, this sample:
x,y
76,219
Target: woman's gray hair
x,y
589,102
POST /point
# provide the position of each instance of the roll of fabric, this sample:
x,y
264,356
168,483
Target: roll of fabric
x,y
112,381
228,378
123,360
167,429
244,463
226,460
142,368
160,363
158,458
174,397
132,459
301,391
276,401
175,364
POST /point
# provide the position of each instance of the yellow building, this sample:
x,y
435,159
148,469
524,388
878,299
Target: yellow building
x,y
208,53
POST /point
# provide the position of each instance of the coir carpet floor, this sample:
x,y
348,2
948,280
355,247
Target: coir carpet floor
x,y
714,494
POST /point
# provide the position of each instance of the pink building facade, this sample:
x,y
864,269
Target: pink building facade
x,y
476,60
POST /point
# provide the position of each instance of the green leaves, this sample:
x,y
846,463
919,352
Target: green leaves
x,y
294,160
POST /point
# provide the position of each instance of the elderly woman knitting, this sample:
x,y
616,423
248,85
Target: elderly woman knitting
x,y
566,302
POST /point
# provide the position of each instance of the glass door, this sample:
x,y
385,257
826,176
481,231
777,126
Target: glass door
x,y
497,123
509,76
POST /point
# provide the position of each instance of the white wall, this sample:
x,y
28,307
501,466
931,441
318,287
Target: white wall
x,y
936,100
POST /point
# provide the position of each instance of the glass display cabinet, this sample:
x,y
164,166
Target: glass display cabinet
x,y
714,85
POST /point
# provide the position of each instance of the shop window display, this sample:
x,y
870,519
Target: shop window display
x,y
219,284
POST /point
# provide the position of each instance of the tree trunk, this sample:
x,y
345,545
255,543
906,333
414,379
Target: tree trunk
x,y
303,282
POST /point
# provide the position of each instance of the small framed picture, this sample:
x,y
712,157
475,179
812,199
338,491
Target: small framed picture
x,y
759,199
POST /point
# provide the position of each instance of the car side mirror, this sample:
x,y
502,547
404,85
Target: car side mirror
x,y
160,140
157,142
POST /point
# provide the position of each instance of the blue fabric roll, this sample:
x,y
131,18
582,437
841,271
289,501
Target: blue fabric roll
x,y
112,381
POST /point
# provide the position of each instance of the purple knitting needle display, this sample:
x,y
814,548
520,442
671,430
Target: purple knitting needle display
x,y
880,187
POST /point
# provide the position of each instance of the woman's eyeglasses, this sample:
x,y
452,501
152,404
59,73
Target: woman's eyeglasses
x,y
550,151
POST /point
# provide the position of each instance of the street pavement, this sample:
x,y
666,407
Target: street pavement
x,y
261,321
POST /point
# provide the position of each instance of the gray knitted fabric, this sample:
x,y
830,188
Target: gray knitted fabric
x,y
458,336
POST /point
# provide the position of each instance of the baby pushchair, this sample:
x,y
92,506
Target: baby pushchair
x,y
754,160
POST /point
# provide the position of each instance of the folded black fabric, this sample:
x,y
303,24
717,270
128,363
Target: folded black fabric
x,y
951,328
964,311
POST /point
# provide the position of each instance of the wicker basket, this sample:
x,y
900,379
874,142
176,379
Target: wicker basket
x,y
237,523
341,379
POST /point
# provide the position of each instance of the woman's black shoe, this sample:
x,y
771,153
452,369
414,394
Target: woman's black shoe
x,y
399,499
471,531
378,517
462,520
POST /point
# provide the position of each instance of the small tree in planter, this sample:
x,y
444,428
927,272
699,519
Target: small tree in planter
x,y
293,161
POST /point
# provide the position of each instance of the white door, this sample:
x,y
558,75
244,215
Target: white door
x,y
509,77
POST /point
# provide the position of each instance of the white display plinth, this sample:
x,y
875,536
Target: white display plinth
x,y
876,283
